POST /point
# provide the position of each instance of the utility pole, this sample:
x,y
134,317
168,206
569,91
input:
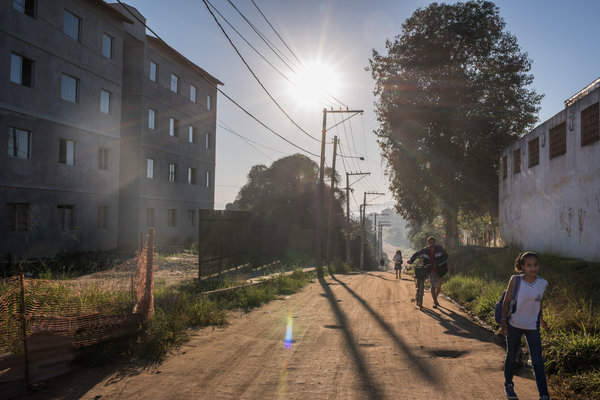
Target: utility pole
x,y
380,241
348,174
362,230
331,203
319,233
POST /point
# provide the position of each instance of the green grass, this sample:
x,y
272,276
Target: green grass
x,y
181,307
572,342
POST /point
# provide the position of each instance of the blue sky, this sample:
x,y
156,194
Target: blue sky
x,y
559,36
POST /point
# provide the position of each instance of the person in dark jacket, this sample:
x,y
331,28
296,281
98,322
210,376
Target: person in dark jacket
x,y
433,256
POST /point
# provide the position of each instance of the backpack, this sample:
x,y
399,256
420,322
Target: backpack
x,y
513,301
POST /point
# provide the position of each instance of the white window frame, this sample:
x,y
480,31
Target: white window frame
x,y
17,139
69,29
173,127
208,101
192,138
105,97
103,158
150,168
174,83
17,72
69,85
208,140
152,119
70,151
173,172
153,73
192,176
193,91
207,180
107,45
21,6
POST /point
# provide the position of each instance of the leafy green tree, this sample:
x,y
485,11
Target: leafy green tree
x,y
453,91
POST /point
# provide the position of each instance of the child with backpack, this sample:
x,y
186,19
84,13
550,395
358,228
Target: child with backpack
x,y
525,318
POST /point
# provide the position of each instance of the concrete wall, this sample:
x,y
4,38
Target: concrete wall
x,y
41,181
554,207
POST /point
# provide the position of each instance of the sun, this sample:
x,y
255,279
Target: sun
x,y
314,84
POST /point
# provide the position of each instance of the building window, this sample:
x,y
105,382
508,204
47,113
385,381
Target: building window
x,y
66,215
17,217
151,119
69,88
191,176
153,71
149,168
104,101
19,143
103,158
66,152
192,93
107,45
516,161
192,217
558,140
26,7
72,25
534,152
172,217
172,172
208,101
149,217
504,167
208,141
207,180
173,127
174,83
590,128
21,70
192,135
102,217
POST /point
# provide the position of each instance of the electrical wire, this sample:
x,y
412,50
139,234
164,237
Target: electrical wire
x,y
206,3
215,86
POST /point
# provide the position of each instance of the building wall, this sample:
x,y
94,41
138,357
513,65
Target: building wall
x,y
41,181
139,143
554,207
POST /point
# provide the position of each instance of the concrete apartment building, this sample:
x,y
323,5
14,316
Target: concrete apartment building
x,y
167,141
73,160
550,182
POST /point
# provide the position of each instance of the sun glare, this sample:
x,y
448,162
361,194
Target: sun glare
x,y
314,83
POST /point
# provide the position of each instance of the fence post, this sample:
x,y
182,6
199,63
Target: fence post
x,y
150,276
24,328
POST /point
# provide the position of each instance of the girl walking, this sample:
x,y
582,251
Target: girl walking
x,y
526,320
398,263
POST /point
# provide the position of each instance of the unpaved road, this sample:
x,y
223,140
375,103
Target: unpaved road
x,y
355,336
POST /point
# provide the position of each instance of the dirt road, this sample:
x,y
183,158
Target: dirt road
x,y
355,336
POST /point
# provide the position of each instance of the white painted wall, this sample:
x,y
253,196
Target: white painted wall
x,y
554,207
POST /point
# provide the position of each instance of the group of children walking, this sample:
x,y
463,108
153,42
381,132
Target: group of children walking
x,y
521,313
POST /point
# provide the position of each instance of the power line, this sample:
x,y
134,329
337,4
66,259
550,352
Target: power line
x,y
206,3
224,126
215,86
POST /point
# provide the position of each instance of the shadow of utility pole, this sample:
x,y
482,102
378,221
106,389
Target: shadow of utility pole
x,y
424,369
370,386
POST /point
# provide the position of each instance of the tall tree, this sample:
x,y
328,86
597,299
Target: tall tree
x,y
453,91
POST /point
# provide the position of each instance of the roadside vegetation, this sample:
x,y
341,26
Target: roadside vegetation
x,y
178,308
572,342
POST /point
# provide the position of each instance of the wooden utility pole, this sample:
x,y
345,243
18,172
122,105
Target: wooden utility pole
x,y
331,223
320,213
362,230
348,174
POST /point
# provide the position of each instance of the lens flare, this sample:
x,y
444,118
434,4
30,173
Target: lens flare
x,y
287,343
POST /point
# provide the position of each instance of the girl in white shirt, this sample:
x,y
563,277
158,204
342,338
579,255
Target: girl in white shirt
x,y
526,320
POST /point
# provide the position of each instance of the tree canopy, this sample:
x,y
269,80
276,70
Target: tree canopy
x,y
453,91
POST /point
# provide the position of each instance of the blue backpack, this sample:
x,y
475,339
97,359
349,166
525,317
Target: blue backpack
x,y
513,302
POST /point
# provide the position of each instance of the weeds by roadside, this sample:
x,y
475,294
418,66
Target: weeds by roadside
x,y
181,307
572,342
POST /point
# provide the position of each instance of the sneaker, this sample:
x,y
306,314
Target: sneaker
x,y
509,391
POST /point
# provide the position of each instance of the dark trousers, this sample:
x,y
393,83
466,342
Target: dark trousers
x,y
534,342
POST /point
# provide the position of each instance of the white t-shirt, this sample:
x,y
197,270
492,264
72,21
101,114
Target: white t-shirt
x,y
397,258
529,302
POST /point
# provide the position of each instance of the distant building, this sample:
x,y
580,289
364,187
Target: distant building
x,y
75,95
550,182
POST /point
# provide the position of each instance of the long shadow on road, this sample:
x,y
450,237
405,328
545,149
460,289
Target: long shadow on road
x,y
371,387
424,369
